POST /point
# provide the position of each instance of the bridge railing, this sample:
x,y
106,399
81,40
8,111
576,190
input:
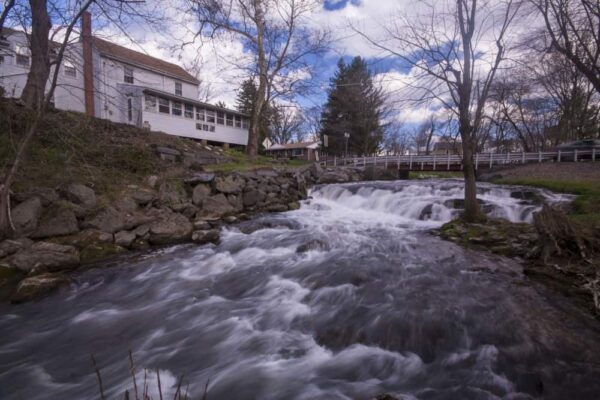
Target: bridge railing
x,y
451,161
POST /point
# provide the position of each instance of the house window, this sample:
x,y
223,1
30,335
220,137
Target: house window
x,y
245,123
1,60
178,89
176,108
238,122
199,114
220,118
163,105
150,103
229,120
211,128
127,75
189,111
22,56
210,116
129,109
69,68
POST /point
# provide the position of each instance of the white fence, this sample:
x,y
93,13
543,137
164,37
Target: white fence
x,y
454,162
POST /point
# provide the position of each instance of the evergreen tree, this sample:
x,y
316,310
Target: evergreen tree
x,y
354,106
245,104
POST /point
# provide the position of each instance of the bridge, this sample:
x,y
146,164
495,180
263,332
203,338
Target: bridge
x,y
453,162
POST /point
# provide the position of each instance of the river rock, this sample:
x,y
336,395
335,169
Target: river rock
x,y
200,177
34,287
57,221
207,236
107,220
236,201
46,195
528,195
216,206
152,181
171,228
85,238
426,212
79,194
11,246
277,208
125,238
252,197
142,196
230,184
314,244
201,192
316,171
26,215
45,257
201,225
171,193
333,176
126,204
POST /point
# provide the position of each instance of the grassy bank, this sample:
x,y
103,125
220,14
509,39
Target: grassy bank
x,y
586,206
241,162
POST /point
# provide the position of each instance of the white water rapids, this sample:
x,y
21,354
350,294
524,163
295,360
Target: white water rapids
x,y
346,298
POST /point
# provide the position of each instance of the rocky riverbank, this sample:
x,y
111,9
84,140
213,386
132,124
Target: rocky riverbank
x,y
554,250
58,230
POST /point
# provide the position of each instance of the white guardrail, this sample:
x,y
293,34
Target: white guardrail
x,y
448,162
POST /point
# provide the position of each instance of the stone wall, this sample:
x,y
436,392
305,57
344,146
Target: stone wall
x,y
60,229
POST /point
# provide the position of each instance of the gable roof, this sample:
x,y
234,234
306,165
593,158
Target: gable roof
x,y
288,146
123,54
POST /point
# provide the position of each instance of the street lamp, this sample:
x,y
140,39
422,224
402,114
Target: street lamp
x,y
347,136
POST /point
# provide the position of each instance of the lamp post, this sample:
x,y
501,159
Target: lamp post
x,y
347,136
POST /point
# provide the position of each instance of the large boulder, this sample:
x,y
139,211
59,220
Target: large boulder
x,y
127,204
9,246
34,287
46,195
200,193
230,184
142,196
187,209
169,229
79,194
125,238
253,197
216,206
334,176
45,257
26,215
171,193
107,220
58,220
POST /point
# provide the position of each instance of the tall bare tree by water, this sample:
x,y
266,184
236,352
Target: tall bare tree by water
x,y
455,48
276,33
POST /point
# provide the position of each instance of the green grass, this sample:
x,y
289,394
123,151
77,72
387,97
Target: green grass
x,y
586,206
434,174
243,163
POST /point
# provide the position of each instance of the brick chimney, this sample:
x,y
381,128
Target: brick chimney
x,y
88,66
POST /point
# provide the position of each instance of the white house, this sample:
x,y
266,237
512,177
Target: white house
x,y
113,82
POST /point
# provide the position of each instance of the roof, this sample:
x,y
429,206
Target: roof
x,y
191,101
123,54
120,53
289,146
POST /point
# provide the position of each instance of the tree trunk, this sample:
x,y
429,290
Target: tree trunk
x,y
6,228
472,210
33,92
259,101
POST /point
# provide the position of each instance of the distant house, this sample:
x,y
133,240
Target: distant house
x,y
301,151
112,82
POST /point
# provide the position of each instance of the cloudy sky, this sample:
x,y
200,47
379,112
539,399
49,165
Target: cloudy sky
x,y
214,60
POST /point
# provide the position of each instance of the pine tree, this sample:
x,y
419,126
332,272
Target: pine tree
x,y
245,104
354,106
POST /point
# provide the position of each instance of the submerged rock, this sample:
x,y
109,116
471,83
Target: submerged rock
x,y
34,287
208,236
315,244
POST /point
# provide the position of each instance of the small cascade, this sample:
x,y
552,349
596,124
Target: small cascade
x,y
432,200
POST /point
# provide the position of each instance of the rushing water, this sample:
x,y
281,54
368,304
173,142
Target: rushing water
x,y
369,303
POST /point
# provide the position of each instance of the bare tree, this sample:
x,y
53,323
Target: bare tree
x,y
573,27
446,47
286,123
8,6
275,32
